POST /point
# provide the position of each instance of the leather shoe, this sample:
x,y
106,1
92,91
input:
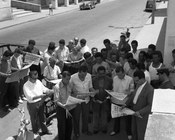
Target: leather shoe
x,y
46,133
113,133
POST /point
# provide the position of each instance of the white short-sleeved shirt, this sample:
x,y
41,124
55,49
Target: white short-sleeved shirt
x,y
85,49
32,90
52,73
81,86
61,54
122,85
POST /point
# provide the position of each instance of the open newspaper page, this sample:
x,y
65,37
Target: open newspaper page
x,y
32,58
117,98
117,111
16,76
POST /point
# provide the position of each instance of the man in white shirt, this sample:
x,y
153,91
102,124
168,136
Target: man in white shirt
x,y
61,53
82,84
35,93
135,52
83,46
140,102
51,72
122,84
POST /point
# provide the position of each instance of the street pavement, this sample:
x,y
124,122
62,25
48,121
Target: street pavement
x,y
40,15
9,124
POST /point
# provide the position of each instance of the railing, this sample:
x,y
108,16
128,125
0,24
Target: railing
x,y
26,6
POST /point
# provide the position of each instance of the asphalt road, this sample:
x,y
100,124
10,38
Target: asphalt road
x,y
105,21
93,25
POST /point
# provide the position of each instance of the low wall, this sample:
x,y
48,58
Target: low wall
x,y
5,13
26,6
5,10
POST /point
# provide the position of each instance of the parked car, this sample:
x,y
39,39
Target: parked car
x,y
150,5
87,5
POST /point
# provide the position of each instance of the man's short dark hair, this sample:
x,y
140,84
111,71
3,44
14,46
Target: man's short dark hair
x,y
141,66
140,74
129,56
62,41
134,42
65,74
152,46
51,46
173,51
94,48
119,69
100,68
31,42
106,41
103,50
7,53
133,61
98,54
83,68
163,70
83,41
87,55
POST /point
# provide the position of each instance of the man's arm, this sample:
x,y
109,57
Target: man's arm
x,y
149,98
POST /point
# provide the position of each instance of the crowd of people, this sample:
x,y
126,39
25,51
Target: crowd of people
x,y
121,68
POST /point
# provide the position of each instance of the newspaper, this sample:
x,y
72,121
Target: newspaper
x,y
16,76
117,111
119,96
32,58
72,101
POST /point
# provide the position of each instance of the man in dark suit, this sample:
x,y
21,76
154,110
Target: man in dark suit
x,y
141,102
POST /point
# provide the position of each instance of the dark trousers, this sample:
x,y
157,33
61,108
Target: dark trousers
x,y
13,94
100,116
3,92
64,124
36,112
139,127
84,109
127,124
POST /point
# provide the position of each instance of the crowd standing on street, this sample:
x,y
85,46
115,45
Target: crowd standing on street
x,y
79,70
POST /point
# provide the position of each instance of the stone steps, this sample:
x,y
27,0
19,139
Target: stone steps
x,y
17,13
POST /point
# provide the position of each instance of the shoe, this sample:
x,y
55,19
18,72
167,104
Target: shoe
x,y
46,133
129,137
113,133
24,98
20,101
95,132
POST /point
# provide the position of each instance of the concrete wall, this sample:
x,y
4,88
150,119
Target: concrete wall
x,y
5,10
26,6
170,33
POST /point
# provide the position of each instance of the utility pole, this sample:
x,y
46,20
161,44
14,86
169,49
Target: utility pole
x,y
153,11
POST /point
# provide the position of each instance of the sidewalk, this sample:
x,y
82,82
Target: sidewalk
x,y
40,15
154,33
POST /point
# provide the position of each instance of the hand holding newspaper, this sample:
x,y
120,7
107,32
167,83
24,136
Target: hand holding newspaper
x,y
117,98
71,102
117,111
